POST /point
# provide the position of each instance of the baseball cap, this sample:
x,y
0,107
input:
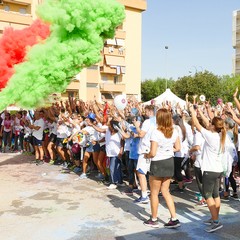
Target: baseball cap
x,y
91,116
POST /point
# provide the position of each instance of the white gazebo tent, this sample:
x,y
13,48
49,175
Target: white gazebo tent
x,y
169,96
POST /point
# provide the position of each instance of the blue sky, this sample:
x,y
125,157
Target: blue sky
x,y
198,34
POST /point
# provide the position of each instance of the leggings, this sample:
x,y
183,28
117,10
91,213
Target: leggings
x,y
198,175
177,169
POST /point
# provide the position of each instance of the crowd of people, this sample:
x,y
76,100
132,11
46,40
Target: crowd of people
x,y
152,146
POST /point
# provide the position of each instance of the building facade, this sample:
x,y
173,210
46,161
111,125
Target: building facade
x,y
236,41
119,72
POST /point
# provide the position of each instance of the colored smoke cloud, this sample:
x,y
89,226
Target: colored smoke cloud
x,y
14,45
78,31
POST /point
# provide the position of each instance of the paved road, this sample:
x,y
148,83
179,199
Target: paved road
x,y
39,203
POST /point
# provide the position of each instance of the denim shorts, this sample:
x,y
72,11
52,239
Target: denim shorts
x,y
37,142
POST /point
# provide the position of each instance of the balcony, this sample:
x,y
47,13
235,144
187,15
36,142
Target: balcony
x,y
112,87
109,70
114,51
14,17
20,2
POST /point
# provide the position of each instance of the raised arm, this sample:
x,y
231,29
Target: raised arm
x,y
194,118
236,99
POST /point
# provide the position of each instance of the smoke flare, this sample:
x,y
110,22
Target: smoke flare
x,y
78,31
14,45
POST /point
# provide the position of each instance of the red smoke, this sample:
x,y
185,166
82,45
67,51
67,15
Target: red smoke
x,y
14,44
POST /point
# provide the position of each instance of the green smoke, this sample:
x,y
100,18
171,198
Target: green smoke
x,y
78,31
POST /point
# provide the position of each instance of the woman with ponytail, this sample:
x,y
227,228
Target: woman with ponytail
x,y
212,166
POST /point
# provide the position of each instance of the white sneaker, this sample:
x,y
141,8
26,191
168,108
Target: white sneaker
x,y
82,176
112,186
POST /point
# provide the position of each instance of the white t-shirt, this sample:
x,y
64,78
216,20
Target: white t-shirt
x,y
113,143
38,134
7,125
211,154
183,144
62,131
102,135
148,126
52,128
198,140
165,145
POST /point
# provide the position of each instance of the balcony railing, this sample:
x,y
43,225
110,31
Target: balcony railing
x,y
21,2
14,17
112,87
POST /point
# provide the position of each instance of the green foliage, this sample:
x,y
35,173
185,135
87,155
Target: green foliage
x,y
206,83
153,88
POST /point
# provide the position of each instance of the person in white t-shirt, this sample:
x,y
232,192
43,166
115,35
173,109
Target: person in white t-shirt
x,y
212,166
195,153
37,133
143,164
164,142
6,131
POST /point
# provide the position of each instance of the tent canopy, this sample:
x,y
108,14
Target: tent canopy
x,y
169,96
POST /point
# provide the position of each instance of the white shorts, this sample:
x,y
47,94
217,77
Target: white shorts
x,y
143,165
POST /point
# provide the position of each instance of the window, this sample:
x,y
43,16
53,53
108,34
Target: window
x,y
115,79
104,78
23,10
92,85
93,67
6,8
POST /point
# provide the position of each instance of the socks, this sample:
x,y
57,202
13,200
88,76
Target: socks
x,y
144,194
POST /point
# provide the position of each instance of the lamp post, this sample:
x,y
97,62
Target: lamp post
x,y
166,66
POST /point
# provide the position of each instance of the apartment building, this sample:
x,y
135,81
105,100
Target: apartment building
x,y
119,72
236,41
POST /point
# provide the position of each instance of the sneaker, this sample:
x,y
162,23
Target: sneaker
x,y
121,184
202,203
99,176
142,200
112,186
234,196
225,198
82,176
151,223
51,162
77,169
34,161
172,224
213,227
208,222
39,162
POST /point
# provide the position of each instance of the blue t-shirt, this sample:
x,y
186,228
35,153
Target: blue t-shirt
x,y
134,143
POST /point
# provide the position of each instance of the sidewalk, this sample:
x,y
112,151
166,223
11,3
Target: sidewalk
x,y
39,203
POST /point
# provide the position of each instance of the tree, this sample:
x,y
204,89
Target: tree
x,y
205,83
153,88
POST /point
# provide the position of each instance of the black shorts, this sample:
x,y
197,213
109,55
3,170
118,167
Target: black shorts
x,y
53,138
96,147
210,184
60,143
103,148
162,168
